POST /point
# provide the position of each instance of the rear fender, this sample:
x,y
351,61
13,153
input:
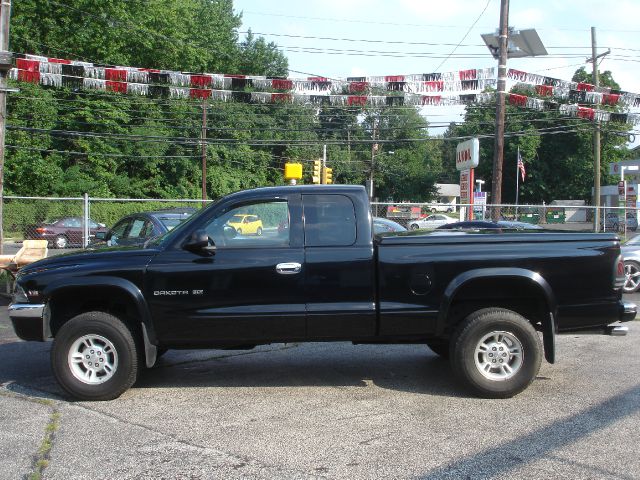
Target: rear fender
x,y
535,280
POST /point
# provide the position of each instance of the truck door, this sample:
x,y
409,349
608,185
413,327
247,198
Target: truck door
x,y
339,270
250,290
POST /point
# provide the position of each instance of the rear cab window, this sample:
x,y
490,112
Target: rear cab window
x,y
329,221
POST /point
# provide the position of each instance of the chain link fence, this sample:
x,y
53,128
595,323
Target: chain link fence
x,y
550,217
72,222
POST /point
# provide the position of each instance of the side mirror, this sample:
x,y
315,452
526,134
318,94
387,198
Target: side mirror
x,y
199,241
101,235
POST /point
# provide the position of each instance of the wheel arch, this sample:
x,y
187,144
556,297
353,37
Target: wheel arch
x,y
523,291
118,296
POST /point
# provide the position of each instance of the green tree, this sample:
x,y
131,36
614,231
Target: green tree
x,y
257,57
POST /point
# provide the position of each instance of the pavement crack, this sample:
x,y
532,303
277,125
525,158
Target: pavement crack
x,y
242,461
42,457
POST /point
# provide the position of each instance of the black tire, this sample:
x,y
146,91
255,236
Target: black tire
x,y
238,231
490,330
259,231
414,226
60,242
102,332
439,347
632,276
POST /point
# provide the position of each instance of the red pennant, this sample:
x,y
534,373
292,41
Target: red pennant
x,y
200,81
357,100
120,87
115,74
199,93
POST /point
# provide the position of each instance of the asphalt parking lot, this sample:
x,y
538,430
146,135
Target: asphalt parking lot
x,y
325,411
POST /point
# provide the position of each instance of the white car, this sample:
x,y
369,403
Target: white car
x,y
432,221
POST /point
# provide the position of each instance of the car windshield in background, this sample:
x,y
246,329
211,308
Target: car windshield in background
x,y
172,222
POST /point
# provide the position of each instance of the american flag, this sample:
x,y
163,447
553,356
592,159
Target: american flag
x,y
521,166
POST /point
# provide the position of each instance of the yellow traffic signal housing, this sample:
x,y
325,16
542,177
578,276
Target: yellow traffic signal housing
x,y
327,175
317,167
292,171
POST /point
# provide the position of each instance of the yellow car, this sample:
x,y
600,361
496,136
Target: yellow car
x,y
246,224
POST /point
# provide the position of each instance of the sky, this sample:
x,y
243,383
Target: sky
x,y
427,34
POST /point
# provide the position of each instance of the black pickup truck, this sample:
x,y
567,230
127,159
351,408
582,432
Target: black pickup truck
x,y
301,264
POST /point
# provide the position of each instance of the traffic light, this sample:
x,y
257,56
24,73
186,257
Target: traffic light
x,y
327,175
317,167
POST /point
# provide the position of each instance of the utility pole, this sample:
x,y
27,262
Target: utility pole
x,y
5,15
324,164
374,146
498,146
203,142
596,139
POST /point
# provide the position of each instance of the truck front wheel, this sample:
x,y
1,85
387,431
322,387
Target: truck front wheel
x,y
496,353
94,357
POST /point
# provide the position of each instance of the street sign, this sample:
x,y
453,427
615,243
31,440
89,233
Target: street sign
x,y
468,154
466,191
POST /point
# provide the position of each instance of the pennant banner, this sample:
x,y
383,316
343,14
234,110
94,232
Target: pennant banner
x,y
31,68
430,89
577,92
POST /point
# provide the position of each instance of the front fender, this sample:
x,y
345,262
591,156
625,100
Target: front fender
x,y
530,277
126,286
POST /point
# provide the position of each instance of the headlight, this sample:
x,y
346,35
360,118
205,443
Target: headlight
x,y
19,295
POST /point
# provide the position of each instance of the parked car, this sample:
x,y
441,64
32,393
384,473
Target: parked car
x,y
137,228
611,221
513,224
488,224
246,224
383,225
470,224
442,207
62,232
631,254
431,221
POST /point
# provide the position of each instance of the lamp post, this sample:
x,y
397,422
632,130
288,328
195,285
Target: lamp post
x,y
506,43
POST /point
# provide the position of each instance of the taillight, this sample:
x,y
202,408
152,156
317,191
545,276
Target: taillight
x,y
41,230
619,279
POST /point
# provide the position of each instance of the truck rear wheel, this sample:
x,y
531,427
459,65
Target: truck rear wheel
x,y
496,353
94,357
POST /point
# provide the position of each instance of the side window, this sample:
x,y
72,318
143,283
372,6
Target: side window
x,y
329,221
269,226
118,231
72,223
136,228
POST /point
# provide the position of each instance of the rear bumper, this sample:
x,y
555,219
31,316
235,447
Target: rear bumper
x,y
28,320
627,311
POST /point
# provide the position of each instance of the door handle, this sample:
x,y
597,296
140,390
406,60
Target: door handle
x,y
288,268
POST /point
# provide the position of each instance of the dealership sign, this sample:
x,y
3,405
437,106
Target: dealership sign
x,y
468,154
466,187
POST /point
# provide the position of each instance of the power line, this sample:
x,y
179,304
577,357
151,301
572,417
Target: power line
x,y
465,36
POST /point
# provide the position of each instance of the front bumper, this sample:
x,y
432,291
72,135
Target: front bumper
x,y
29,320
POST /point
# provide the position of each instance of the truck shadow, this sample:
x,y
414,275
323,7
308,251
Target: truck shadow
x,y
404,368
411,368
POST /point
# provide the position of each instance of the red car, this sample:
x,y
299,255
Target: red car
x,y
62,233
